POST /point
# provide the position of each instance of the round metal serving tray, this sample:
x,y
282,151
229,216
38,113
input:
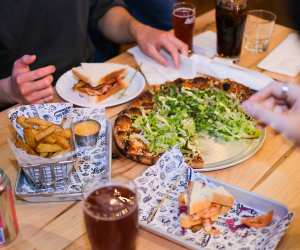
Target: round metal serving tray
x,y
220,155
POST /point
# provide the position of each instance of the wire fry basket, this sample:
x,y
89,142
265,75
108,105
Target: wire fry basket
x,y
50,176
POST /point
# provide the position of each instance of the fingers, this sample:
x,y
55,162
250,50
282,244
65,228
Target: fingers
x,y
21,65
173,51
285,123
155,54
151,41
29,87
28,59
272,90
35,74
261,113
270,103
281,109
45,100
181,46
41,96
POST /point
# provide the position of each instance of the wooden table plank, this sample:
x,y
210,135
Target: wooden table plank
x,y
283,185
60,226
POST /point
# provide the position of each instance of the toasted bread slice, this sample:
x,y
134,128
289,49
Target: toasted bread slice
x,y
87,75
92,76
199,198
222,197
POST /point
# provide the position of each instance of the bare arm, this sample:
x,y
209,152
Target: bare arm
x,y
6,92
119,26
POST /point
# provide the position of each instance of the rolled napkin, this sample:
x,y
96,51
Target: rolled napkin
x,y
195,65
284,59
221,70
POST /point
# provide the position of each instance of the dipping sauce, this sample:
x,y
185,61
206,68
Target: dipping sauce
x,y
111,218
87,128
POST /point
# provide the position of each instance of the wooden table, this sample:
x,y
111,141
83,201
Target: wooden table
x,y
272,172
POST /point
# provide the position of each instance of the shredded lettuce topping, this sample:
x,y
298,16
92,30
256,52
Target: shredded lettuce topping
x,y
183,116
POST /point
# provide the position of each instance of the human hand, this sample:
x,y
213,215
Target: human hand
x,y
279,109
31,86
152,41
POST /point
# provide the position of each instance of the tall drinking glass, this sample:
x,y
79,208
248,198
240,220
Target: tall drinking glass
x,y
184,15
231,18
111,215
259,29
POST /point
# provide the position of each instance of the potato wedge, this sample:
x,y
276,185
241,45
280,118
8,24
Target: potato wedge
x,y
48,148
63,142
45,155
22,121
38,121
50,139
66,133
44,133
21,145
29,137
60,153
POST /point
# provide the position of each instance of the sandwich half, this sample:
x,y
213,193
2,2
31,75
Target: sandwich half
x,y
95,85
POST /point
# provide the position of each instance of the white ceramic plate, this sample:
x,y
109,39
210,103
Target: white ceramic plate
x,y
135,80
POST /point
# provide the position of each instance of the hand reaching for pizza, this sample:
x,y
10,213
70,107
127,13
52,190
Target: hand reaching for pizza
x,y
278,108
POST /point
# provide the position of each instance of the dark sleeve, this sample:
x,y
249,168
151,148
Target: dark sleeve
x,y
98,9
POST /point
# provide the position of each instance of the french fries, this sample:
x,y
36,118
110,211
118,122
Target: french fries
x,y
63,142
29,137
25,147
43,138
48,148
44,133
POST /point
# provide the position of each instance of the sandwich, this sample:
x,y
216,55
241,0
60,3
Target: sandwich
x,y
201,205
94,84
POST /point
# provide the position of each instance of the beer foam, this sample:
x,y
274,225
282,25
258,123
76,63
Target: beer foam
x,y
184,12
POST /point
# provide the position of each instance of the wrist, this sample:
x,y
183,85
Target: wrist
x,y
6,91
135,28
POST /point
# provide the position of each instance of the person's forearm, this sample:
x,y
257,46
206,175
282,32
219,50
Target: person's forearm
x,y
6,92
119,26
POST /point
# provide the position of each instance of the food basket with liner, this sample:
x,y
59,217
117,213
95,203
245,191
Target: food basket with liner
x,y
43,172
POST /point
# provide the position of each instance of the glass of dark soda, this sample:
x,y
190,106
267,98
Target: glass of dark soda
x,y
111,215
231,18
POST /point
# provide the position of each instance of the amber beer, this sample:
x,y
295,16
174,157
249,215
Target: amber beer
x,y
111,217
231,19
184,22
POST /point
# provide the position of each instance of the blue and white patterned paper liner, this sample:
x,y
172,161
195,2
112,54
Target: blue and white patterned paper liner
x,y
160,178
53,112
92,163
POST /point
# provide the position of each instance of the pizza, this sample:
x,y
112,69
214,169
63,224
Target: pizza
x,y
181,113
